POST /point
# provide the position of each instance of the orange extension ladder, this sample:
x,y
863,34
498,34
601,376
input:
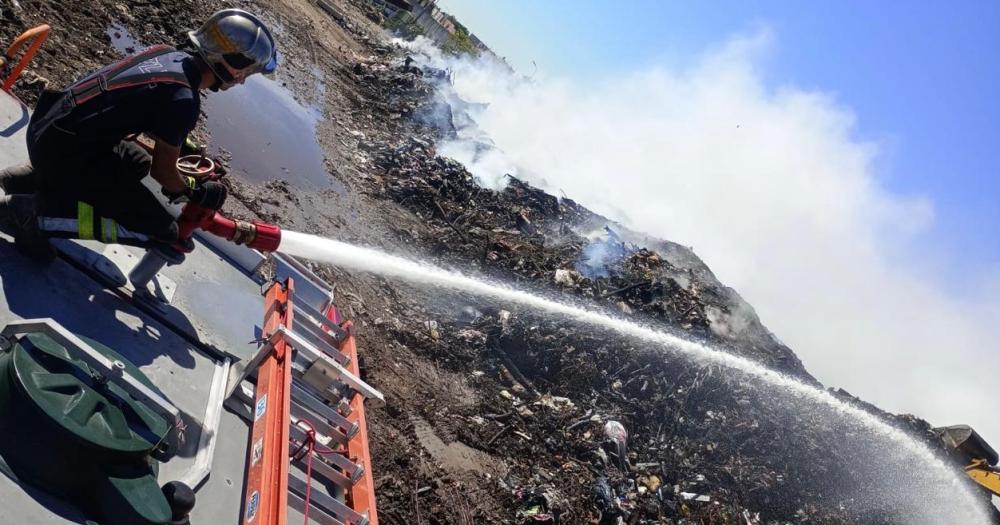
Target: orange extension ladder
x,y
308,412
34,38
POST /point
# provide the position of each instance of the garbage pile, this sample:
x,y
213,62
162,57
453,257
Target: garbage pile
x,y
522,232
592,428
398,94
67,54
584,427
595,429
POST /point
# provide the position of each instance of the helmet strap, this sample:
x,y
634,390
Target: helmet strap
x,y
221,77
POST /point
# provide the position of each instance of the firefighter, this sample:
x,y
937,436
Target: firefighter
x,y
84,179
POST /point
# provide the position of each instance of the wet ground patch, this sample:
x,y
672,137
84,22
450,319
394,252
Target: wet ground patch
x,y
269,135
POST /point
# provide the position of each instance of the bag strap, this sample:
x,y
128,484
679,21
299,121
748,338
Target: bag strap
x,y
105,79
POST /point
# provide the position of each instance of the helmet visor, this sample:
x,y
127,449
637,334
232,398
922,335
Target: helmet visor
x,y
264,53
260,58
271,65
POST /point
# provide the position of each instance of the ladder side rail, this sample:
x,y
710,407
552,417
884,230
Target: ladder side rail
x,y
363,492
265,496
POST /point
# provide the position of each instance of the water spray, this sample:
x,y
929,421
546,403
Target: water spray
x,y
968,507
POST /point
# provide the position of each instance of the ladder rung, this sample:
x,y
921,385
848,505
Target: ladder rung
x,y
321,340
352,471
300,413
338,333
315,515
356,470
322,468
311,353
321,409
325,503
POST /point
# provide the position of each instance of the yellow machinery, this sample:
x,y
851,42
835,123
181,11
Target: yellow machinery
x,y
978,457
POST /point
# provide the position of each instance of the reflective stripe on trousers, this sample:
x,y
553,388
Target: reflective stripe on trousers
x,y
88,226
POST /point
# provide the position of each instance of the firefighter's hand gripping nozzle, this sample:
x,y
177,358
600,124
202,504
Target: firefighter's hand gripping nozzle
x,y
257,235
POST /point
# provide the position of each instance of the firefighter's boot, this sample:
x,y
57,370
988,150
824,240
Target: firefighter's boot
x,y
18,179
19,218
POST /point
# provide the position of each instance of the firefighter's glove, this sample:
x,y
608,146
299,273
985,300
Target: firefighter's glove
x,y
189,185
209,194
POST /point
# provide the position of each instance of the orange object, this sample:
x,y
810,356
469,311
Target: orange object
x,y
266,492
265,497
36,36
362,494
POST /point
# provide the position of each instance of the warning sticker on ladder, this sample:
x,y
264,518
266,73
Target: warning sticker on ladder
x,y
252,505
257,452
261,407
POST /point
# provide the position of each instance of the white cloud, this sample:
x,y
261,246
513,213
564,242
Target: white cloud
x,y
774,190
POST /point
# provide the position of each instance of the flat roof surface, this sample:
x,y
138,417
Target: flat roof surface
x,y
214,310
14,118
213,313
179,368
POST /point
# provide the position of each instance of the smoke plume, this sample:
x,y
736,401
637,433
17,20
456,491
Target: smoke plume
x,y
774,190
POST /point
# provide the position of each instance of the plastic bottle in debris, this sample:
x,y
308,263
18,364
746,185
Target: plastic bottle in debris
x,y
616,437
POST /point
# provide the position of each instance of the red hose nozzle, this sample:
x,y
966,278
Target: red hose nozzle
x,y
268,237
257,235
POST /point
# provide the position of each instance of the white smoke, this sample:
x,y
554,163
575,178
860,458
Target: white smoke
x,y
776,193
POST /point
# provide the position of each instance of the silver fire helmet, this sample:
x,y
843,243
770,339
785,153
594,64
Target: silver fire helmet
x,y
235,44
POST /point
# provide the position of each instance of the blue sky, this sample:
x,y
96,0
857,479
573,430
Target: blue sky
x,y
922,78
